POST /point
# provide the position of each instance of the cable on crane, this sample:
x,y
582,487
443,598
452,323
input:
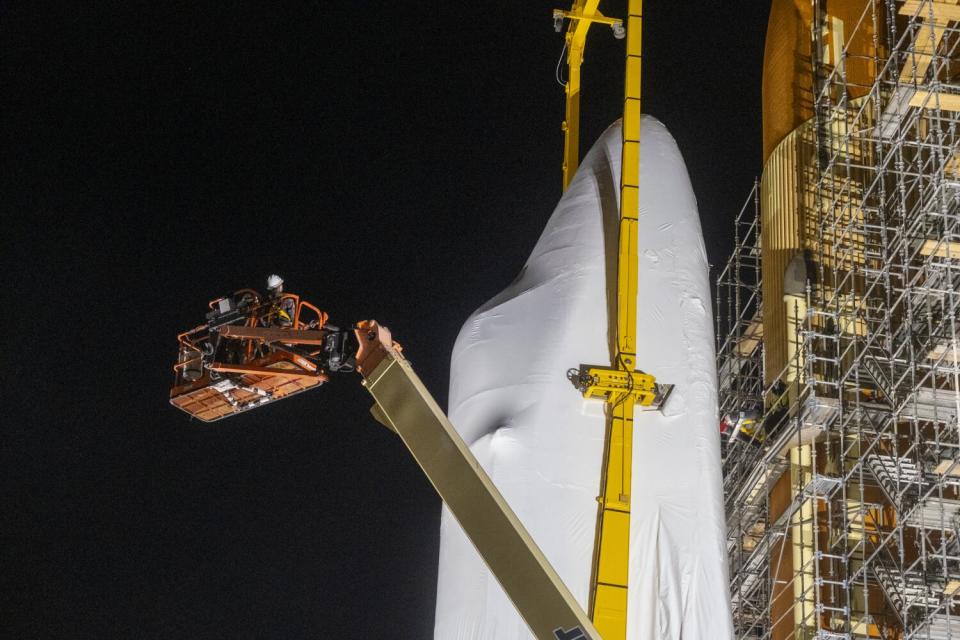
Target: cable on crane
x,y
556,72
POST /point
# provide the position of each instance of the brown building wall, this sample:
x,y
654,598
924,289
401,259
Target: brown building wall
x,y
788,66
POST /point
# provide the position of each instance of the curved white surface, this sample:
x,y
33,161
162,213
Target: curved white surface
x,y
542,443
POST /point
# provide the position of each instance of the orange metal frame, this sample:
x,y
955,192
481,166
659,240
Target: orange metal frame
x,y
184,339
280,371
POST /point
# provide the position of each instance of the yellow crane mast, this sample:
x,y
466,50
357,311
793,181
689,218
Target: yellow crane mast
x,y
581,16
621,385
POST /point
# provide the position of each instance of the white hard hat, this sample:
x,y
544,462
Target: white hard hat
x,y
274,281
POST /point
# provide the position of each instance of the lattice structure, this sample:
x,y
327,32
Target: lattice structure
x,y
844,508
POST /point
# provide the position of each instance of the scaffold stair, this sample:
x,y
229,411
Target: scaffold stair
x,y
750,576
899,478
904,590
877,374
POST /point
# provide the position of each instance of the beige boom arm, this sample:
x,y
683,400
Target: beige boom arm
x,y
405,406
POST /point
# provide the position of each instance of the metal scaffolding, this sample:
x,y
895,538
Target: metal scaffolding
x,y
843,499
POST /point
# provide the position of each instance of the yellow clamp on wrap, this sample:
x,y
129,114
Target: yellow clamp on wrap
x,y
616,385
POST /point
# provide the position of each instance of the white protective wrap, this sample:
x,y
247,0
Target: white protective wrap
x,y
542,443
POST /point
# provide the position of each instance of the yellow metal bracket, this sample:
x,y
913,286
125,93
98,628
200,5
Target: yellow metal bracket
x,y
596,17
616,386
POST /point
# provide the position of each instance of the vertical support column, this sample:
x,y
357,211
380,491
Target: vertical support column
x,y
802,530
802,534
795,303
571,122
629,195
608,602
608,606
581,12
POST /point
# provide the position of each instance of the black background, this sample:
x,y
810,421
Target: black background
x,y
391,160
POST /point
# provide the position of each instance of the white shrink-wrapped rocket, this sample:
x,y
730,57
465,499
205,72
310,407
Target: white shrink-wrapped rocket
x,y
542,443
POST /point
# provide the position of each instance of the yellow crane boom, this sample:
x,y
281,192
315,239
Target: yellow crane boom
x,y
621,384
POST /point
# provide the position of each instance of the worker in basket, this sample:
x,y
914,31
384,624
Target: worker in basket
x,y
742,424
287,307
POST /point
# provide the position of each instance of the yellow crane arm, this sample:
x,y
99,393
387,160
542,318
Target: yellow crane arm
x,y
621,385
580,18
405,406
612,547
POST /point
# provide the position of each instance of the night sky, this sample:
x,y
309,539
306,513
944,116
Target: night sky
x,y
394,161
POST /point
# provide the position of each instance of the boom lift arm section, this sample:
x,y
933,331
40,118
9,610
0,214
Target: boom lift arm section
x,y
405,406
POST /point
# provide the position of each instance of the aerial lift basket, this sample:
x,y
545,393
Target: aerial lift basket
x,y
253,350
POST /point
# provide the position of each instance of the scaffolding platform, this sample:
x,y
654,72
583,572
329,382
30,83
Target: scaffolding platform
x,y
844,520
